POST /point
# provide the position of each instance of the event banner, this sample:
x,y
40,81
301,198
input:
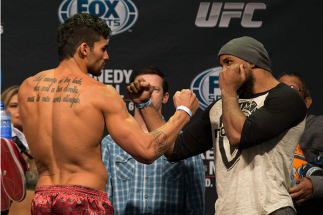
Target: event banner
x,y
181,38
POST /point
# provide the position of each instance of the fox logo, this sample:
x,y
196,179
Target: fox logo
x,y
120,15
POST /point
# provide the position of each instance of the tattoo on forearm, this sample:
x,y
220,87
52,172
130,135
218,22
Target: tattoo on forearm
x,y
161,142
66,85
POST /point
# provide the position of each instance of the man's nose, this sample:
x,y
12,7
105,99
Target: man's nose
x,y
106,56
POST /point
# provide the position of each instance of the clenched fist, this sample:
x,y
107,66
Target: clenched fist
x,y
231,78
186,98
139,91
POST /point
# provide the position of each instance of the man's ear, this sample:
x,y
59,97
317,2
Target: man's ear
x,y
252,65
84,49
308,101
165,98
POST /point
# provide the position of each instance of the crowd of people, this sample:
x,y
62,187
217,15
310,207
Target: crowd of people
x,y
150,165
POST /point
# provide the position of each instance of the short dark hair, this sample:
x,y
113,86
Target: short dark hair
x,y
305,85
152,71
78,29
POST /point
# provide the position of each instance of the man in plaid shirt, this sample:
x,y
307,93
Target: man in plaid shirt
x,y
162,187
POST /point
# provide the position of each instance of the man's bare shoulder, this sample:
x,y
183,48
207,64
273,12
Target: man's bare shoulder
x,y
28,81
97,88
107,97
109,91
106,91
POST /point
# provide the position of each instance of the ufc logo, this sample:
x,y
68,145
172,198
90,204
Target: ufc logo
x,y
230,10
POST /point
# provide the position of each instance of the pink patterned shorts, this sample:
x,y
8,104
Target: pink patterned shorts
x,y
70,199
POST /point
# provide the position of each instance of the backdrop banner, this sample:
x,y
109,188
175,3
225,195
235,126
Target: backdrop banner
x,y
180,38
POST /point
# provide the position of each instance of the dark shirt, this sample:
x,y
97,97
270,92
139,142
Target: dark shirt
x,y
263,124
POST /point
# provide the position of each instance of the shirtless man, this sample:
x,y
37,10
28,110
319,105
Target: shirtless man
x,y
64,112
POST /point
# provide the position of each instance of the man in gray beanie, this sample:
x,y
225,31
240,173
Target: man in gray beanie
x,y
249,50
253,135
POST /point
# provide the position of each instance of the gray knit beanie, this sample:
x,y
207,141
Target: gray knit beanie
x,y
248,49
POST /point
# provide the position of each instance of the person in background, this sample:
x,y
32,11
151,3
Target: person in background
x,y
10,99
162,187
308,194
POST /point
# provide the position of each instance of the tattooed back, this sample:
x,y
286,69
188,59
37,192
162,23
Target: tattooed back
x,y
64,111
63,123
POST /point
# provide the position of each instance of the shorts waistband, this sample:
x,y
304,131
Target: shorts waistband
x,y
66,187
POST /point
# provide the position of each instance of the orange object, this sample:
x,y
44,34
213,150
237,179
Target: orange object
x,y
299,160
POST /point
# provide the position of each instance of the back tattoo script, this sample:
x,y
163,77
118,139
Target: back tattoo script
x,y
66,85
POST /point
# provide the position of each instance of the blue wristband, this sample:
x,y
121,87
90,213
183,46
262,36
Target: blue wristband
x,y
142,105
188,111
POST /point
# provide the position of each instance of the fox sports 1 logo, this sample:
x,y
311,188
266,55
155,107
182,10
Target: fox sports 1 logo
x,y
120,15
206,86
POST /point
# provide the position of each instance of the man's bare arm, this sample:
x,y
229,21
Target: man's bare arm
x,y
128,135
233,118
230,80
138,93
153,120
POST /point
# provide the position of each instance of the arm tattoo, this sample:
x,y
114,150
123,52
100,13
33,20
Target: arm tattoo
x,y
160,142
